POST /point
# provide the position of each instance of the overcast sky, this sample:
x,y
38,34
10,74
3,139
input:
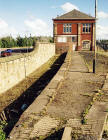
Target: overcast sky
x,y
25,17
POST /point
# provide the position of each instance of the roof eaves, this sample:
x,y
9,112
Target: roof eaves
x,y
74,19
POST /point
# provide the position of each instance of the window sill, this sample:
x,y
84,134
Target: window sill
x,y
67,33
86,33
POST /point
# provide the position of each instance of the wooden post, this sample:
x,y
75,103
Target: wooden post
x,y
94,60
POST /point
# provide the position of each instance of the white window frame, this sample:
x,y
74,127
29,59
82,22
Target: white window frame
x,y
67,28
86,42
62,39
86,28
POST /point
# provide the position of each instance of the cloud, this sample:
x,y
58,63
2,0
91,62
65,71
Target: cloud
x,y
38,27
6,30
3,24
102,32
68,7
102,15
102,27
54,7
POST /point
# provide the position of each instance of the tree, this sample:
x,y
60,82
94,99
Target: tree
x,y
9,42
20,41
5,43
0,44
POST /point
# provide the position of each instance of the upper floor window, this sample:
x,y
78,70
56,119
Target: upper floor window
x,y
67,28
86,28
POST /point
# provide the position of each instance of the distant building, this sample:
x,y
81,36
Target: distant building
x,y
76,29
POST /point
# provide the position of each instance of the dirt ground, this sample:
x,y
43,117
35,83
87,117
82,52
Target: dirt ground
x,y
101,62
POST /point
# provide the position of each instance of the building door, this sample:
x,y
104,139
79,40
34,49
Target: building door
x,y
74,42
74,47
86,45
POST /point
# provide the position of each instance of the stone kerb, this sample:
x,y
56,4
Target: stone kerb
x,y
67,133
13,71
39,106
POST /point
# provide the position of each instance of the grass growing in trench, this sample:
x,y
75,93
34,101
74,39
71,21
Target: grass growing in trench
x,y
2,133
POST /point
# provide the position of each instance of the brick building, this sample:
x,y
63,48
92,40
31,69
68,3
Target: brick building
x,y
76,29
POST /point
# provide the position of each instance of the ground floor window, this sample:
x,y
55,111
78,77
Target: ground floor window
x,y
74,39
62,39
86,45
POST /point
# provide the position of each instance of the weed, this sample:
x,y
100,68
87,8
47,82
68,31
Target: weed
x,y
34,138
105,134
84,121
86,111
74,136
2,126
41,137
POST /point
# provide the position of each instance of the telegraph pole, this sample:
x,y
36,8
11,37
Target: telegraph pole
x,y
94,61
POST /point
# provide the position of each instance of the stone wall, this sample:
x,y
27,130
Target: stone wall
x,y
62,47
15,70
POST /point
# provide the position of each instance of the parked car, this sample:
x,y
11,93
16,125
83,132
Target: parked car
x,y
5,53
9,50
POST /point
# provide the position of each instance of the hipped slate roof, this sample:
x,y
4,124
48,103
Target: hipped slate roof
x,y
74,14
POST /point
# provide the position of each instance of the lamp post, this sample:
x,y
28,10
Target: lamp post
x,y
10,41
30,40
27,40
94,60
